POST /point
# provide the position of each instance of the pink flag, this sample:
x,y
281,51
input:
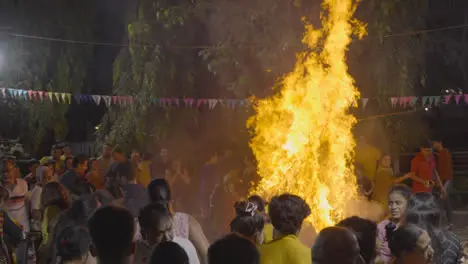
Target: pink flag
x,y
34,93
41,93
30,94
114,99
189,102
457,98
447,98
466,98
394,101
199,102
403,101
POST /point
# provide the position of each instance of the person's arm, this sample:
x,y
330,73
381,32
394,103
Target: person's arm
x,y
198,239
402,178
12,231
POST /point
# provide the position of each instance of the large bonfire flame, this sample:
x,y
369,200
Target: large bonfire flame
x,y
303,141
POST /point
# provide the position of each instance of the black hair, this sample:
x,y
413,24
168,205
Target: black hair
x,y
152,214
335,245
401,189
55,194
233,249
287,212
159,191
169,253
424,211
366,232
404,239
248,221
112,229
79,159
258,201
72,243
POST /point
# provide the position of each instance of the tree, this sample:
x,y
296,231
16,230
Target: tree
x,y
46,65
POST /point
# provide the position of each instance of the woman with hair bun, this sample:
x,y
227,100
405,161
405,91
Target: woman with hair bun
x,y
73,244
248,222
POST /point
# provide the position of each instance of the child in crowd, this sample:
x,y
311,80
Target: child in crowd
x,y
410,245
397,203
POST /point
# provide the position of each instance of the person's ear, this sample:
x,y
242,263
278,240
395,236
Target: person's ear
x,y
92,250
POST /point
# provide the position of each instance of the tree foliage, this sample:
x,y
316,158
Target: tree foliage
x,y
45,65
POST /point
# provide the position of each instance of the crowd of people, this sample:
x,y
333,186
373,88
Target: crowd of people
x,y
118,209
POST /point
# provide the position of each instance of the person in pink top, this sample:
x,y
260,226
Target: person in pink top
x,y
397,203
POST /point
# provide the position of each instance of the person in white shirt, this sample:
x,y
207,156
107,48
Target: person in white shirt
x,y
18,189
156,225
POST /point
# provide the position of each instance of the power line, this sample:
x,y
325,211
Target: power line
x,y
113,44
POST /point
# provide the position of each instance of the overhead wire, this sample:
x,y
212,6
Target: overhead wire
x,y
72,41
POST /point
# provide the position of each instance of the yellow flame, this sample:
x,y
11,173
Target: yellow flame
x,y
302,136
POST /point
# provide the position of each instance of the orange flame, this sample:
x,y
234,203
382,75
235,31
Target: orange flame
x,y
302,136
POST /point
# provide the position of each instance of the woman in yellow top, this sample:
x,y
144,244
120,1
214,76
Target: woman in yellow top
x,y
384,179
287,213
54,200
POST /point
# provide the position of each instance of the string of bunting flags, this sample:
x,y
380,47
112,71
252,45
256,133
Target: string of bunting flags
x,y
109,100
411,101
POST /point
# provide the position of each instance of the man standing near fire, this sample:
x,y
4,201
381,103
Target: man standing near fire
x,y
424,173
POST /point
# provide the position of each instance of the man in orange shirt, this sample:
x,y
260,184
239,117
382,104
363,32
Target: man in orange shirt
x,y
445,170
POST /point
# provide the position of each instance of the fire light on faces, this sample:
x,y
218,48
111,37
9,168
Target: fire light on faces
x,y
302,136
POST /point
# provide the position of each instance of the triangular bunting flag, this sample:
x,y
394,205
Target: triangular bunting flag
x,y
41,95
114,99
176,101
457,98
466,98
34,93
24,94
30,94
447,98
435,100
64,97
11,91
394,101
3,90
77,98
57,97
403,101
107,100
69,96
364,102
414,100
425,100
96,99
50,96
188,102
212,103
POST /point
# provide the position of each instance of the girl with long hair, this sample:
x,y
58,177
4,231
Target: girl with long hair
x,y
398,198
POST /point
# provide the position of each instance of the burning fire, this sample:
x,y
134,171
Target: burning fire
x,y
303,141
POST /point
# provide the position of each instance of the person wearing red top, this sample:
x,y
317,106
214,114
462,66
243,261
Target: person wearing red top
x,y
424,175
